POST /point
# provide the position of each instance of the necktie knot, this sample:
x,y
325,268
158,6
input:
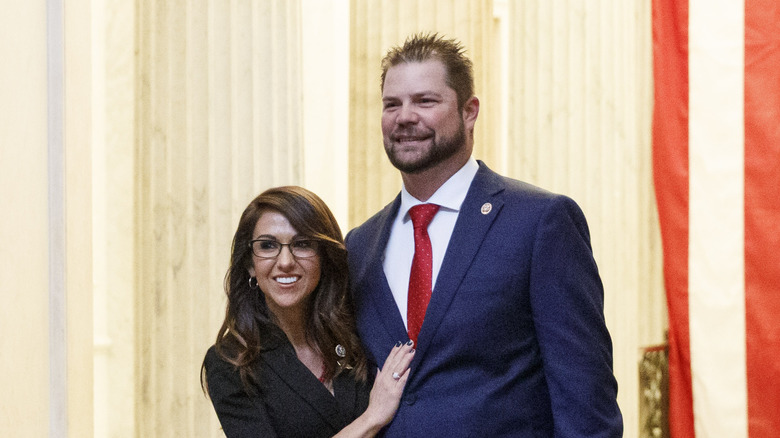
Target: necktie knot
x,y
422,215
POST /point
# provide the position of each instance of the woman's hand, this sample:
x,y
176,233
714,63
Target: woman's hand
x,y
385,395
389,384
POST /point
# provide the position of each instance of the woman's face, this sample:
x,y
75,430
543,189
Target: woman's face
x,y
285,280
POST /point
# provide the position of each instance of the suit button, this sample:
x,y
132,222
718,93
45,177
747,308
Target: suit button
x,y
409,399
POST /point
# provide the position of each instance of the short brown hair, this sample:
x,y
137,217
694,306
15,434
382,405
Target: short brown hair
x,y
422,47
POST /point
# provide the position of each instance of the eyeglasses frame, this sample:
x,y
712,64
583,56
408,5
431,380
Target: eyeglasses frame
x,y
281,247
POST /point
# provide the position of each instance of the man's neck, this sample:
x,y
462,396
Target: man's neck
x,y
422,185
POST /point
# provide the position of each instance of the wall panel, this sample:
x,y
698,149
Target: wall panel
x,y
113,162
45,277
24,276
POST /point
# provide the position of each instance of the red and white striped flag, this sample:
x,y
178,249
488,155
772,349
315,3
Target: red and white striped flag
x,y
716,153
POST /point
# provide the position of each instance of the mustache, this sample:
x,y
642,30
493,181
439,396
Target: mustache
x,y
414,133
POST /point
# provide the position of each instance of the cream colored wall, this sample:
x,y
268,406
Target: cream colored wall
x,y
24,230
325,61
113,140
78,257
45,275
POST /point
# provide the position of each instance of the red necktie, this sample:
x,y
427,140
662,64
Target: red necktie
x,y
422,268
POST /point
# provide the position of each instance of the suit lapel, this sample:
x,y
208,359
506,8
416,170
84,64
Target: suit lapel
x,y
470,229
377,288
281,360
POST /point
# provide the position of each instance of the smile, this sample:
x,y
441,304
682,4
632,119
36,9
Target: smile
x,y
411,142
411,136
286,280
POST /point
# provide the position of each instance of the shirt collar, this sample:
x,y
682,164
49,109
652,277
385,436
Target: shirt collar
x,y
449,196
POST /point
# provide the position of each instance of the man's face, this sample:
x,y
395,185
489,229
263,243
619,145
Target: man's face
x,y
422,125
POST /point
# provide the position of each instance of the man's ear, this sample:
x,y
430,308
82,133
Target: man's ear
x,y
470,113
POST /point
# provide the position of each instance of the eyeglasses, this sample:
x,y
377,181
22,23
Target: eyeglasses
x,y
269,249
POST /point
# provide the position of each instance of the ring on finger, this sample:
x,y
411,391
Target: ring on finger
x,y
396,376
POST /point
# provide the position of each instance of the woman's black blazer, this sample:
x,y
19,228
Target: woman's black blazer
x,y
287,400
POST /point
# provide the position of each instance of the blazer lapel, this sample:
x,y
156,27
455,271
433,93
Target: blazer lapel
x,y
345,390
282,361
467,237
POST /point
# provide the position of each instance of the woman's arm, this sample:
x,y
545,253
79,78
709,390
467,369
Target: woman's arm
x,y
385,395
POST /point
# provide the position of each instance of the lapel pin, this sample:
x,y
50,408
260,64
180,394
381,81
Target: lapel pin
x,y
342,352
486,207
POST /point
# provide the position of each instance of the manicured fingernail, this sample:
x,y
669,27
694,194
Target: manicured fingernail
x,y
411,342
412,350
398,344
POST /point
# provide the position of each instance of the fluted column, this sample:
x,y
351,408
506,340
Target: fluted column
x,y
218,121
579,105
378,25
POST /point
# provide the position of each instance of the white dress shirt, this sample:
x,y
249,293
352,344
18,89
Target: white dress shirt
x,y
400,247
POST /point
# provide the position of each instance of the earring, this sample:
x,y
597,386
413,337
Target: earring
x,y
252,282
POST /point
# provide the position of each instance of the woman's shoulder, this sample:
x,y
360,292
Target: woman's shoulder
x,y
211,353
215,360
224,355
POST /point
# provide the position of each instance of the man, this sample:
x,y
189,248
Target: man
x,y
512,341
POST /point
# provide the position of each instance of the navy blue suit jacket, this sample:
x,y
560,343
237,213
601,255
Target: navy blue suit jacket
x,y
514,342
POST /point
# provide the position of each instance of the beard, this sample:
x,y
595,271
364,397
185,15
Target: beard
x,y
440,150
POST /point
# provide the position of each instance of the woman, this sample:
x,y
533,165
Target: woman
x,y
287,361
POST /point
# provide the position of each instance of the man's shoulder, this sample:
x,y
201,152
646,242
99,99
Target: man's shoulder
x,y
487,179
523,196
509,187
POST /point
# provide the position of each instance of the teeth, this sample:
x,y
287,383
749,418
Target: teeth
x,y
287,280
